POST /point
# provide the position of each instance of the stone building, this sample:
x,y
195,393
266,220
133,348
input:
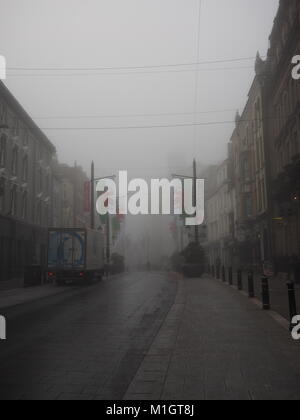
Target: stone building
x,y
250,174
73,180
220,216
283,132
26,176
264,161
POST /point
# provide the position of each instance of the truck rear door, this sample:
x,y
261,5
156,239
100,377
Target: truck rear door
x,y
67,249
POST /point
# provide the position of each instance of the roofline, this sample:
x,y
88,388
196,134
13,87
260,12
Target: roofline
x,y
15,104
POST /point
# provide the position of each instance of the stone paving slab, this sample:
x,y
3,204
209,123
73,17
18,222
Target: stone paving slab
x,y
217,345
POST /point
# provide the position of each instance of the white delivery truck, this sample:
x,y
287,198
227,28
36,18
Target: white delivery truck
x,y
75,255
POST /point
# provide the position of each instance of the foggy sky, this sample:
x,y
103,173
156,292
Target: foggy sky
x,y
89,34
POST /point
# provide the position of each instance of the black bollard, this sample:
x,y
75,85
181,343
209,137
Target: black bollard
x,y
230,276
223,274
240,280
251,284
265,294
213,272
292,302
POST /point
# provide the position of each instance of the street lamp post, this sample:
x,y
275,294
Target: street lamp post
x,y
93,180
194,177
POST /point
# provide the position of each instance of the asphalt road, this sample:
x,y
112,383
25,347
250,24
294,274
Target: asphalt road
x,y
85,343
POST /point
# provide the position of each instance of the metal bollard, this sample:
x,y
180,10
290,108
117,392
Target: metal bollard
x,y
223,274
230,276
292,302
213,272
265,294
240,280
251,284
218,272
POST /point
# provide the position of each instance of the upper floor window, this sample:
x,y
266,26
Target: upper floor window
x,y
39,214
13,201
15,161
25,138
2,193
3,143
25,169
246,170
41,153
248,206
48,184
3,113
15,127
41,180
24,205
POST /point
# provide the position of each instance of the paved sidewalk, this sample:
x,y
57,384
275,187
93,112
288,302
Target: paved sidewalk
x,y
20,296
278,292
215,344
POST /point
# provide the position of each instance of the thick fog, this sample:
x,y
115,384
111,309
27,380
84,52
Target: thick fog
x,y
86,70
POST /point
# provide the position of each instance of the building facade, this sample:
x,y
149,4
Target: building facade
x,y
26,177
250,175
264,156
283,131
